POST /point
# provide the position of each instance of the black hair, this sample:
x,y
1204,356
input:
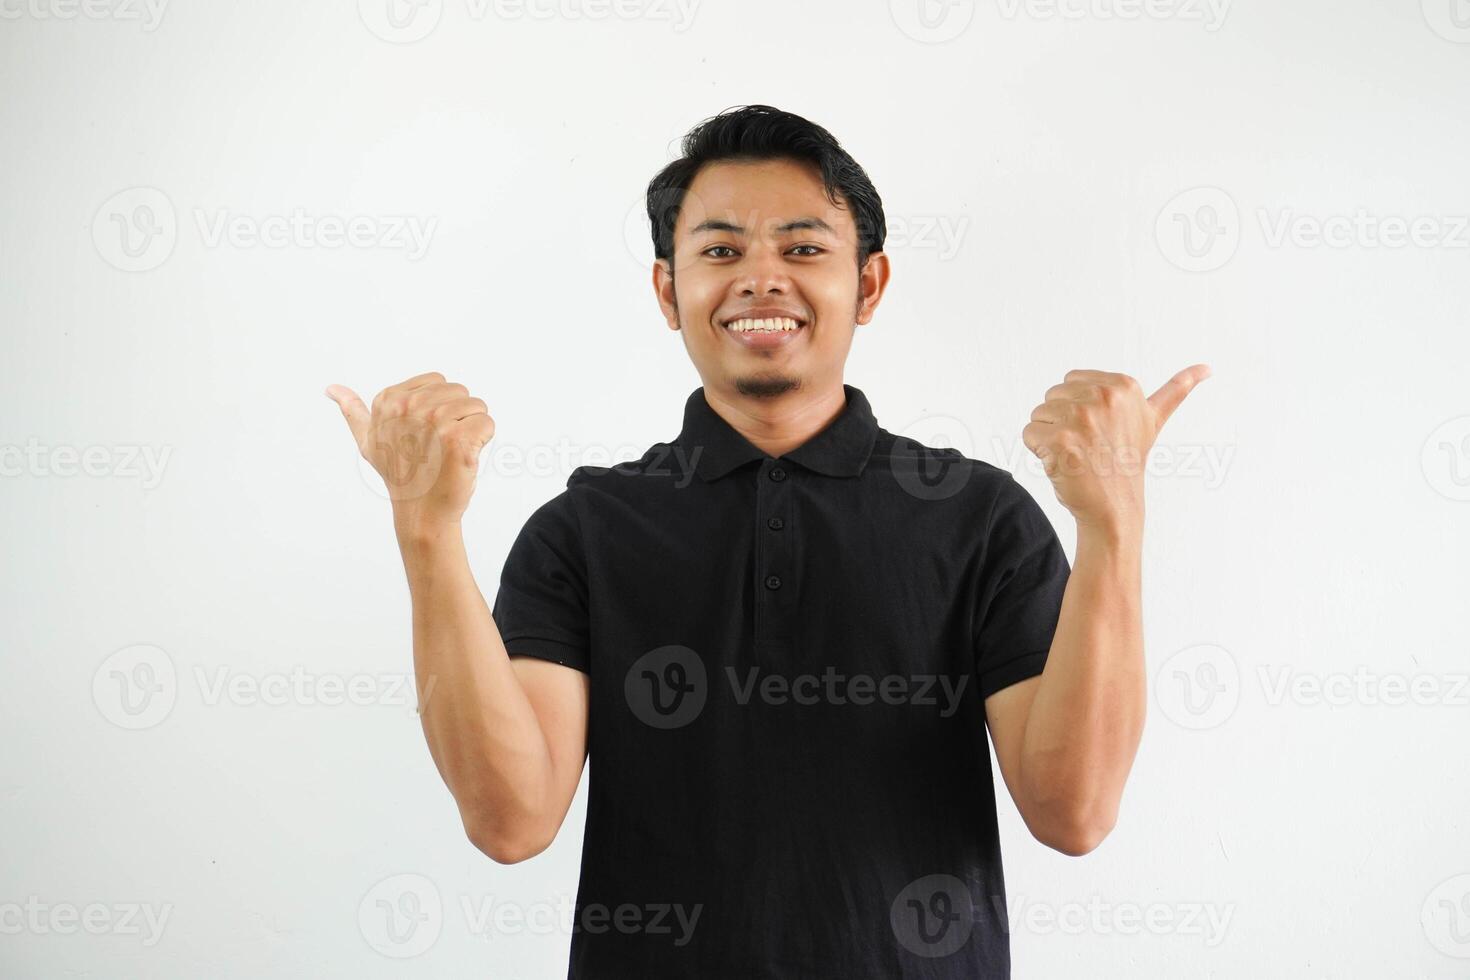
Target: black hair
x,y
762,132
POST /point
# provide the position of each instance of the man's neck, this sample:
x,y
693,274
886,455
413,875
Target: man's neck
x,y
778,425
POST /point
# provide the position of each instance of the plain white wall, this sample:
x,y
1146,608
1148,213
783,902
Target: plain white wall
x,y
193,557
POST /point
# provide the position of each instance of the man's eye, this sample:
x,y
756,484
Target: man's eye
x,y
714,247
816,249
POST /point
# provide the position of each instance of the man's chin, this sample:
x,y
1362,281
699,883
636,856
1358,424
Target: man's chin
x,y
766,385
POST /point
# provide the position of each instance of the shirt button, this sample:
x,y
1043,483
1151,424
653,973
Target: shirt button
x,y
775,524
778,474
773,582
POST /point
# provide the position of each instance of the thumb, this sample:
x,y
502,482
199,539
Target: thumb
x,y
353,410
1169,397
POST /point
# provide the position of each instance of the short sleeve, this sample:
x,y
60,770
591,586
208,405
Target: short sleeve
x,y
1023,575
541,608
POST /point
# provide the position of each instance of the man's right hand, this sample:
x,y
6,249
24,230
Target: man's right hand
x,y
424,437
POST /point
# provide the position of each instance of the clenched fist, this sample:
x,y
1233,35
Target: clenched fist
x,y
1093,434
424,437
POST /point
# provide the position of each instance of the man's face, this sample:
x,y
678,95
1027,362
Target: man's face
x,y
762,240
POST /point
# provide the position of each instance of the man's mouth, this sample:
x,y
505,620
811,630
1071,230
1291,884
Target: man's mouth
x,y
777,324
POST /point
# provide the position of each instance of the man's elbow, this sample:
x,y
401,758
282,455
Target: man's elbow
x,y
1076,835
508,847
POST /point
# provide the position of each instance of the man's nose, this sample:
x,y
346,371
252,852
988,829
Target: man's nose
x,y
764,273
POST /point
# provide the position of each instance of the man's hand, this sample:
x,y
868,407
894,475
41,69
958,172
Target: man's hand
x,y
1093,434
424,438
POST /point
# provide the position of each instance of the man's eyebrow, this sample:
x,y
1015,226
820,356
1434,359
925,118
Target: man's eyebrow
x,y
800,224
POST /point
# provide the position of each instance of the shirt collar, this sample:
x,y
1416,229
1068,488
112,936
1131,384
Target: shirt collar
x,y
841,449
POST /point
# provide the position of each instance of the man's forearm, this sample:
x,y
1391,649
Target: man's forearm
x,y
1086,719
482,731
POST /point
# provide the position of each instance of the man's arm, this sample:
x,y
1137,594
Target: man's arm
x,y
509,738
1066,739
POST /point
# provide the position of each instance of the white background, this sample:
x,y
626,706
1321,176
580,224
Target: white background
x,y
1309,526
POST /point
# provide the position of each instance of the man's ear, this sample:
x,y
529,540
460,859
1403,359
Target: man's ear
x,y
872,280
663,289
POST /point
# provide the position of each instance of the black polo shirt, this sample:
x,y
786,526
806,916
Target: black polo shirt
x,y
789,767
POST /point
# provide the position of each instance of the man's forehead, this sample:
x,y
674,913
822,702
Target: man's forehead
x,y
762,217
764,196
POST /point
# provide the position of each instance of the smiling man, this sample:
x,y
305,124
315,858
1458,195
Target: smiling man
x,y
781,636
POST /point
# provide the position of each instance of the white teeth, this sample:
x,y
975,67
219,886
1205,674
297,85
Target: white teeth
x,y
773,325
